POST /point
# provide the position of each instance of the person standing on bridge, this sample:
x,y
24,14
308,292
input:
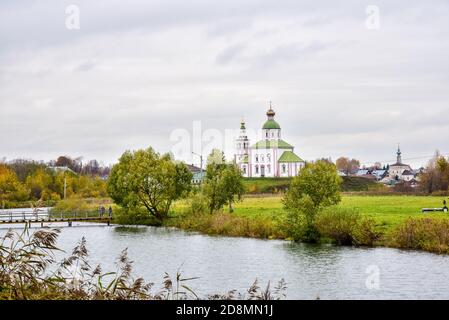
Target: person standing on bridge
x,y
110,212
102,211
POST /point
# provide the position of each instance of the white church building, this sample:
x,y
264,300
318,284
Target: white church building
x,y
270,157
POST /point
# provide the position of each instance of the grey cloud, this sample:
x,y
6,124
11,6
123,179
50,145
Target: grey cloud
x,y
85,66
135,72
228,54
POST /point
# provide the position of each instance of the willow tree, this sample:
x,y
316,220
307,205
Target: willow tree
x,y
145,178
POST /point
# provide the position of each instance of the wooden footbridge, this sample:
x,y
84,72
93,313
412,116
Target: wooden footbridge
x,y
29,217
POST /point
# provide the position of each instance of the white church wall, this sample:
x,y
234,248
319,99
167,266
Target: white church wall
x,y
263,158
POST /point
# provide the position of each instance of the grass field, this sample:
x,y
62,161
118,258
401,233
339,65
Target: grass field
x,y
387,211
277,185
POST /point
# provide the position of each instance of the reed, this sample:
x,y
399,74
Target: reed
x,y
29,271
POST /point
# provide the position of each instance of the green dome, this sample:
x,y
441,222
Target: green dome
x,y
271,124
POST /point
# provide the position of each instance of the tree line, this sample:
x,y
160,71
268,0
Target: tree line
x,y
27,180
153,181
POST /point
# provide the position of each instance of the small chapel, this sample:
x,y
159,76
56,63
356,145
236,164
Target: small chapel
x,y
270,157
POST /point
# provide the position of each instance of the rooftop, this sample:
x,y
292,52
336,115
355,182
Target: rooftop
x,y
272,144
271,124
289,156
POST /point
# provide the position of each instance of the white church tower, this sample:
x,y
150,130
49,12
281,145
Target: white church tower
x,y
242,149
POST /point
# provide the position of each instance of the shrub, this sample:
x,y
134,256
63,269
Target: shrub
x,y
440,193
197,204
430,234
338,224
299,223
227,224
365,233
134,216
346,227
71,205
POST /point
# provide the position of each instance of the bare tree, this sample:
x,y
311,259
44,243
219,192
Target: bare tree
x,y
348,166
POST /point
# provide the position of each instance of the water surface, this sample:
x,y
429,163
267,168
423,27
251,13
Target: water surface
x,y
224,263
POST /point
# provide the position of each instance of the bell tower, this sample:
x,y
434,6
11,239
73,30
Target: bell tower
x,y
242,143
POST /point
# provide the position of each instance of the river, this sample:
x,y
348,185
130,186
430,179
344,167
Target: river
x,y
225,263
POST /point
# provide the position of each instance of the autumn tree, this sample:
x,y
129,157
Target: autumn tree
x,y
41,186
10,187
348,166
24,167
436,174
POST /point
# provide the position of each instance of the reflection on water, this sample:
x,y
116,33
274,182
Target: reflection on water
x,y
222,263
130,229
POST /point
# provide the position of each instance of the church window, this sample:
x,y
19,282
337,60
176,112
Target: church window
x,y
268,168
244,169
257,158
266,134
261,158
272,134
283,168
268,157
257,169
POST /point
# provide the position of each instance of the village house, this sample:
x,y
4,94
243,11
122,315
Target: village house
x,y
392,174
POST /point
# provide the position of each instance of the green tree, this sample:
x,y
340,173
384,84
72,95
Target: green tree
x,y
145,178
216,157
233,188
316,186
223,182
213,187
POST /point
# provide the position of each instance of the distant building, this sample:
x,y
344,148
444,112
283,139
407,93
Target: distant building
x,y
198,174
399,172
270,157
362,172
397,169
61,169
379,174
407,175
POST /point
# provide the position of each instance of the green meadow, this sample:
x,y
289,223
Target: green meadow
x,y
387,211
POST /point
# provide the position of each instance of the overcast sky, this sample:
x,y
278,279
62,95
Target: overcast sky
x,y
135,71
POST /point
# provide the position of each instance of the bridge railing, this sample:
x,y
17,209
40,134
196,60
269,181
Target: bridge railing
x,y
22,215
19,216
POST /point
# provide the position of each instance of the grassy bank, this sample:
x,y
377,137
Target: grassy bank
x,y
279,185
387,211
394,220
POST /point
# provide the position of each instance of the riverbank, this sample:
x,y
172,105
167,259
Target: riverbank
x,y
387,211
397,220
